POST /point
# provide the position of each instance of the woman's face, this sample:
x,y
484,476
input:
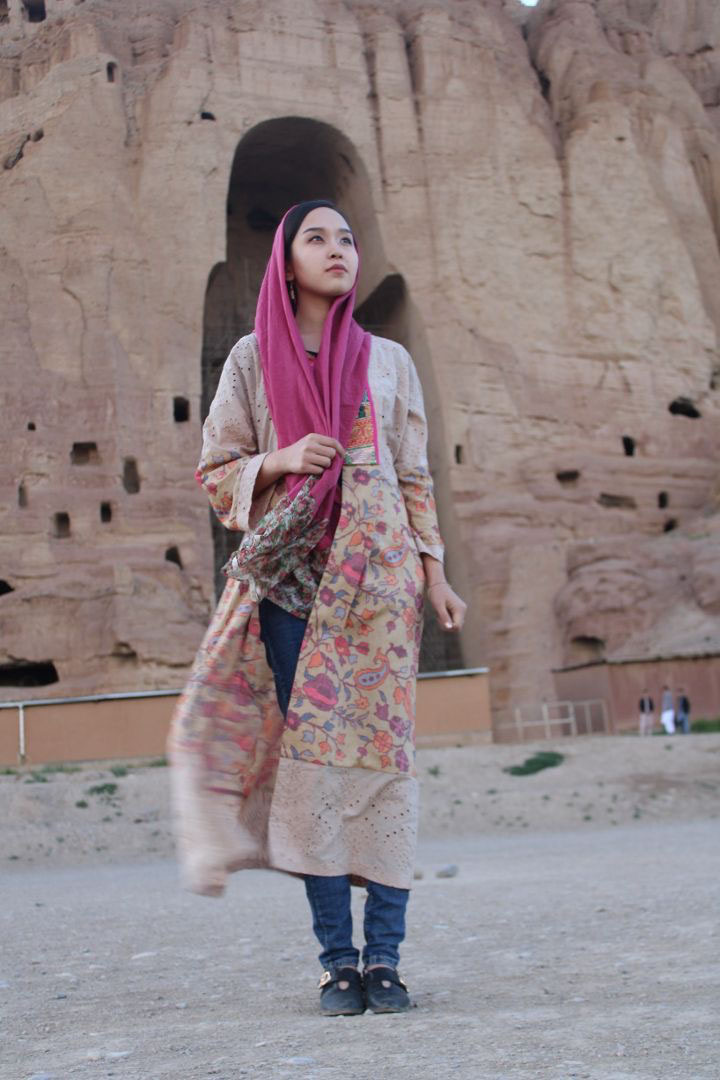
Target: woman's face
x,y
323,257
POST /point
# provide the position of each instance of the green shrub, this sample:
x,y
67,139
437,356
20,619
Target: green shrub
x,y
102,789
703,726
544,759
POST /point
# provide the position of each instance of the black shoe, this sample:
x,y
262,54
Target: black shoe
x,y
336,1001
385,992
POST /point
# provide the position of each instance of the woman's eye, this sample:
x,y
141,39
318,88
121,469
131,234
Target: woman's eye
x,y
347,240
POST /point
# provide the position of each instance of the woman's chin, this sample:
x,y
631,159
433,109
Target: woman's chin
x,y
332,289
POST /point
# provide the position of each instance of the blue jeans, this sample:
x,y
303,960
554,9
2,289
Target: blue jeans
x,y
329,896
384,922
281,633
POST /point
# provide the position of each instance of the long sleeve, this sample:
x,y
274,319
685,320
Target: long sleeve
x,y
411,467
231,458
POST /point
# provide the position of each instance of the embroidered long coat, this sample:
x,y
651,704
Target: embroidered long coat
x,y
332,789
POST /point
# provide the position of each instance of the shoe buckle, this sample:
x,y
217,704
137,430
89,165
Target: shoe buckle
x,y
325,978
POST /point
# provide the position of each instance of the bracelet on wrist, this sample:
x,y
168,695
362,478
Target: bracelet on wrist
x,y
436,583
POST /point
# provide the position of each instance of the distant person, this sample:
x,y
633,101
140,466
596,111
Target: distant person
x,y
683,712
667,711
293,744
646,711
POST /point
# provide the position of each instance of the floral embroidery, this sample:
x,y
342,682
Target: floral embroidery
x,y
279,558
361,444
353,702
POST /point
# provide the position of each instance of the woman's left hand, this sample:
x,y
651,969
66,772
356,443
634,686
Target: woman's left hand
x,y
449,608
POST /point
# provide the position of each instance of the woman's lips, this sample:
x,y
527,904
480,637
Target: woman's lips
x,y
336,270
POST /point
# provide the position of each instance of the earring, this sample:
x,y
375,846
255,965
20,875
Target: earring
x,y
291,290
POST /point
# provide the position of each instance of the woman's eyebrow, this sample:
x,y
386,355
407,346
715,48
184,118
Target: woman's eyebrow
x,y
321,228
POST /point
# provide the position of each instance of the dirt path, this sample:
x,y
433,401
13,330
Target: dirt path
x,y
550,955
97,815
579,938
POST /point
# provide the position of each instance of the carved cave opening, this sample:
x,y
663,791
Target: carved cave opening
x,y
683,406
585,648
131,476
22,496
173,555
5,588
669,525
181,410
662,500
110,71
121,650
61,525
28,673
628,445
4,13
620,502
105,512
279,163
567,476
84,453
34,10
31,425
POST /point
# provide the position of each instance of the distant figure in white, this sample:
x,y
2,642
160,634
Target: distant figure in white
x,y
667,711
646,712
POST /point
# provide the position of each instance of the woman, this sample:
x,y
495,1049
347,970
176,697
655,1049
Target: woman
x,y
292,745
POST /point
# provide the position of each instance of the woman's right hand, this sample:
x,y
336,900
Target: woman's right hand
x,y
312,454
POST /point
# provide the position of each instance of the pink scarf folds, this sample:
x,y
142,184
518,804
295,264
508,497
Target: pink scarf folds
x,y
321,395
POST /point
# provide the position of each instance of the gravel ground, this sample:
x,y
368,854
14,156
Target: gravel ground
x,y
102,813
580,949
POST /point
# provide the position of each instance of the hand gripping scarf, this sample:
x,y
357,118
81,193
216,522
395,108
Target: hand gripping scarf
x,y
322,396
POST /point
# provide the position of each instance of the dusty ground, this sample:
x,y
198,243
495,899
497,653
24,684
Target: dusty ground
x,y
52,818
579,938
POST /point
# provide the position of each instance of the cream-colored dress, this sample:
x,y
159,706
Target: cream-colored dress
x,y
332,789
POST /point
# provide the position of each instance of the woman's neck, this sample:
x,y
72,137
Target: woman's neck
x,y
310,317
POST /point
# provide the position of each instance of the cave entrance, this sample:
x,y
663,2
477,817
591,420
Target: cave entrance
x,y
278,163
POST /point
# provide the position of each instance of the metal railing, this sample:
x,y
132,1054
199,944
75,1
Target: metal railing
x,y
551,719
21,706
31,703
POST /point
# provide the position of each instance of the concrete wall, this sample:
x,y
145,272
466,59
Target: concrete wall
x,y
622,684
450,710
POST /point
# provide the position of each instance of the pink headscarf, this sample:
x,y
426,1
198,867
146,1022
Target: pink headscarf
x,y
322,395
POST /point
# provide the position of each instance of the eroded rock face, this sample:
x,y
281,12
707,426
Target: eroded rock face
x,y
537,193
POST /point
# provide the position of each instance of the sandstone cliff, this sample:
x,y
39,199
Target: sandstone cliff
x,y
540,192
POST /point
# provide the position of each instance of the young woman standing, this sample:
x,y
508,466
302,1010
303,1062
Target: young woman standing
x,y
293,744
